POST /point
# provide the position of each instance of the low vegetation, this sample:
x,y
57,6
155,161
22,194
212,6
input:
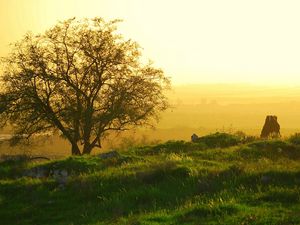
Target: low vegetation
x,y
222,179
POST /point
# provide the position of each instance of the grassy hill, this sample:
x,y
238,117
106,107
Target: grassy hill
x,y
222,179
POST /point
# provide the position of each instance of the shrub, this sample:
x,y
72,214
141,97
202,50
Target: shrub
x,y
295,139
182,172
271,149
244,138
13,166
207,211
170,147
281,195
221,140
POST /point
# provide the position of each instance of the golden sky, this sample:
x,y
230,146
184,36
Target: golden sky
x,y
194,41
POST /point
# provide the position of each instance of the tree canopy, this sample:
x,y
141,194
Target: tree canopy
x,y
82,79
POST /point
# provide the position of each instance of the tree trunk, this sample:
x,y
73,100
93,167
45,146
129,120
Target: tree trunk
x,y
75,150
87,149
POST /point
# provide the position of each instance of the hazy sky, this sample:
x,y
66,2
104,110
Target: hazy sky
x,y
194,41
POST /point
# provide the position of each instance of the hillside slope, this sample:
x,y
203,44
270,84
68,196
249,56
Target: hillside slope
x,y
210,182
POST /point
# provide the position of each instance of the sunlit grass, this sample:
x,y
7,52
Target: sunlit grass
x,y
171,183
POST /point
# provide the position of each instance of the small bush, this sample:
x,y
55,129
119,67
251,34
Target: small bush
x,y
244,138
200,212
178,157
74,164
281,195
182,172
233,171
164,171
157,173
170,147
220,140
271,149
13,166
294,139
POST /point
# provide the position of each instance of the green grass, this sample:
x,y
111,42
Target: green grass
x,y
172,183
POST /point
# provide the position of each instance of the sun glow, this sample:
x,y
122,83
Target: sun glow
x,y
193,41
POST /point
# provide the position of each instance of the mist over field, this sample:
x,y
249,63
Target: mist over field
x,y
200,109
232,107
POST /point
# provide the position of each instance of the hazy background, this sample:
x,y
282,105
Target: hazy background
x,y
203,109
231,62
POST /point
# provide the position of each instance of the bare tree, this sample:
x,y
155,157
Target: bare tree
x,y
80,78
